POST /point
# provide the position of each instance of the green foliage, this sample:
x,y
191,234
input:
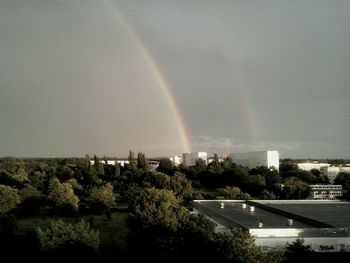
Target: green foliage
x,y
297,251
158,208
132,163
158,180
267,195
29,192
239,246
181,186
37,179
20,176
166,166
103,196
230,192
117,169
74,183
215,166
9,198
142,162
61,233
296,188
344,179
62,194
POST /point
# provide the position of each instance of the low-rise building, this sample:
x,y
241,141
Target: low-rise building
x,y
326,192
314,165
323,224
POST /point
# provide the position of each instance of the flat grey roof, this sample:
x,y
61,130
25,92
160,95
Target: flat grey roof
x,y
336,214
233,215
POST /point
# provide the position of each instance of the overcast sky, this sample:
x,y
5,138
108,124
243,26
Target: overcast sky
x,y
246,74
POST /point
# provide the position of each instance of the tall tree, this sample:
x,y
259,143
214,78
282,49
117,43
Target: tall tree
x,y
142,162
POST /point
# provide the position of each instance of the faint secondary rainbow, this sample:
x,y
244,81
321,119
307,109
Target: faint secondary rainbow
x,y
159,76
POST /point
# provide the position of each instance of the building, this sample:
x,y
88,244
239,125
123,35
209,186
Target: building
x,y
326,192
254,159
310,166
331,172
324,225
189,159
177,160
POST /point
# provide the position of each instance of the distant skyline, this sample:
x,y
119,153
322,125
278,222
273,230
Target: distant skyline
x,y
166,77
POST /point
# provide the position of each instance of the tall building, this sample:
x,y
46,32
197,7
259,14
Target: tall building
x,y
332,171
254,159
189,159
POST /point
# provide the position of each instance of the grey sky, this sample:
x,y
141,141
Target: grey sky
x,y
247,75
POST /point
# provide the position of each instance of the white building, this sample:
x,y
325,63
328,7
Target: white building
x,y
177,160
255,159
189,159
310,166
326,192
331,172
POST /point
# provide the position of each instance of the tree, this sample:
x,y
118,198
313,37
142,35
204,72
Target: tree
x,y
295,188
266,195
117,169
215,166
297,251
166,166
142,162
9,198
344,179
62,194
181,186
132,162
29,192
60,233
21,176
157,179
230,192
158,208
239,246
103,196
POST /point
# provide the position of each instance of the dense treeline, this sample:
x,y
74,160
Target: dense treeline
x,y
159,226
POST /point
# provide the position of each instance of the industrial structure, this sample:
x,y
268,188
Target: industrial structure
x,y
324,225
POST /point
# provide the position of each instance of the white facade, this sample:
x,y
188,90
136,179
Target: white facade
x,y
111,162
189,159
332,172
177,160
310,166
326,192
254,159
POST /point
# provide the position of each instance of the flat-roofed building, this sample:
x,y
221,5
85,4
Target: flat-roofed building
x,y
324,225
326,191
254,159
309,166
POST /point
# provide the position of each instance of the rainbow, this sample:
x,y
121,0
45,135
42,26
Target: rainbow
x,y
163,84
